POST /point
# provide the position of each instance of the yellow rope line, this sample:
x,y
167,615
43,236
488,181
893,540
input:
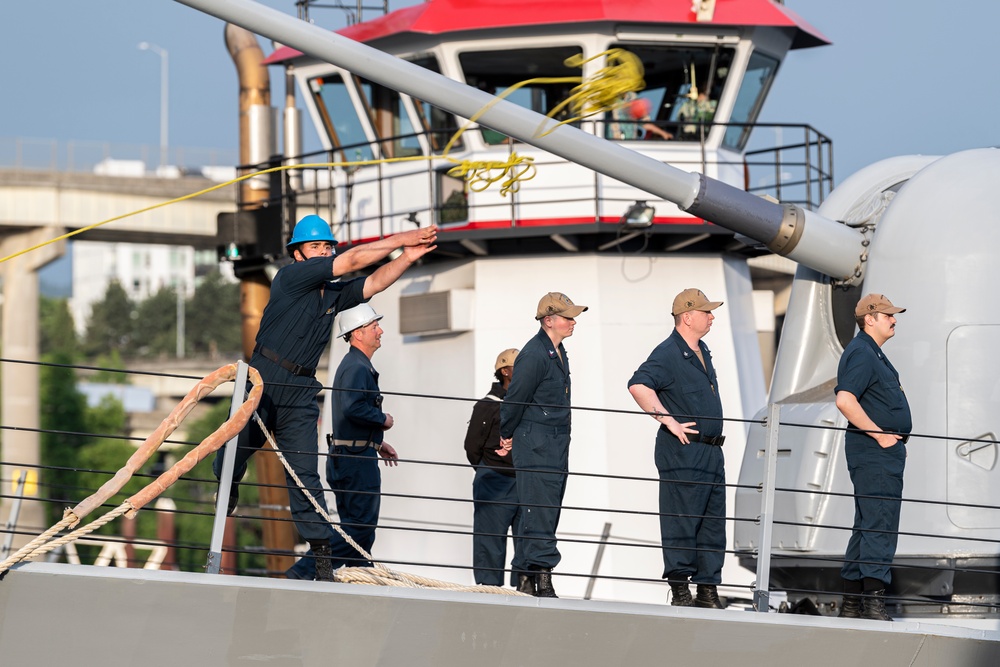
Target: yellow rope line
x,y
600,93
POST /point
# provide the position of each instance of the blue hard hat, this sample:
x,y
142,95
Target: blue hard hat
x,y
311,228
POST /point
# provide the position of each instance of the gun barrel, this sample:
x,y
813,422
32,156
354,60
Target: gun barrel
x,y
777,226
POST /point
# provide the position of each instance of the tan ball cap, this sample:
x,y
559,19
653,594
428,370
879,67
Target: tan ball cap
x,y
692,299
876,303
506,358
557,303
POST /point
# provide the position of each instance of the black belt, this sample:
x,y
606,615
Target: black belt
x,y
294,369
714,440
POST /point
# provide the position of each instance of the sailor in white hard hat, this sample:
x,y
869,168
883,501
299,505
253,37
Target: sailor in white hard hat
x,y
358,439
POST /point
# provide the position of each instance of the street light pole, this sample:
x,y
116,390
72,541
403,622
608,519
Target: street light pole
x,y
164,91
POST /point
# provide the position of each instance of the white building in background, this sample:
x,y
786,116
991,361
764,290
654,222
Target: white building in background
x,y
142,270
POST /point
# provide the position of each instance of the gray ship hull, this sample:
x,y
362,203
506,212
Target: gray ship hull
x,y
130,617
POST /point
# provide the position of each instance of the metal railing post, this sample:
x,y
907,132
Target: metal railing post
x,y
214,563
598,557
809,174
761,591
15,511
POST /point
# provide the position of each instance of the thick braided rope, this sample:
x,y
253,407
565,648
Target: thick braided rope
x,y
80,532
228,430
29,548
379,574
372,577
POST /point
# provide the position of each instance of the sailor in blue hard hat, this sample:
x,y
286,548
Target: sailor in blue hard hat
x,y
294,330
311,228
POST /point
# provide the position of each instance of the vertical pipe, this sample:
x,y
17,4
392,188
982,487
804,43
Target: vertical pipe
x,y
180,320
761,591
166,531
128,541
293,132
255,112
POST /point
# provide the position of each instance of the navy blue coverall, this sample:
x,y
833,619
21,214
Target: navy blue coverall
x,y
536,414
295,328
865,372
352,471
692,476
494,490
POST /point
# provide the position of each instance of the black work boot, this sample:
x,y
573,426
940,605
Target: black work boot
x,y
708,597
543,582
324,568
526,584
873,606
680,594
234,498
850,607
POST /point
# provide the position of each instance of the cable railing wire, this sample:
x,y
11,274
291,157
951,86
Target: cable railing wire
x,y
587,539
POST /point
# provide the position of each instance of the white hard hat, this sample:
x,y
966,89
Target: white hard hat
x,y
355,318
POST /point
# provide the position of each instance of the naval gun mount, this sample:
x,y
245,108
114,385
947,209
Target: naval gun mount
x,y
932,228
921,230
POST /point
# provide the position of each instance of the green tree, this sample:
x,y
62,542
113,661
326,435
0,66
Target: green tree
x,y
155,324
110,326
213,322
57,332
63,409
110,365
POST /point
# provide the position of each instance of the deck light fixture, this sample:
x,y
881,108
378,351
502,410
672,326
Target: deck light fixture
x,y
638,216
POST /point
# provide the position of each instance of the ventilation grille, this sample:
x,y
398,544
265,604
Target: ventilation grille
x,y
435,312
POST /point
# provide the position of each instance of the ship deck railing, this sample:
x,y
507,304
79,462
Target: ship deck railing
x,y
792,163
192,503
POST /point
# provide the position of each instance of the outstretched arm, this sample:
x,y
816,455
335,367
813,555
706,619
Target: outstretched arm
x,y
365,255
387,274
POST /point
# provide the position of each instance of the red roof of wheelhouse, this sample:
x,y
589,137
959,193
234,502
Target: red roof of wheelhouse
x,y
436,17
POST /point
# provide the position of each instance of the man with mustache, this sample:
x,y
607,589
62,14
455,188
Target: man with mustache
x,y
870,396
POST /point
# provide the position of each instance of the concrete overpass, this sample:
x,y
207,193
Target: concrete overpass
x,y
36,206
69,201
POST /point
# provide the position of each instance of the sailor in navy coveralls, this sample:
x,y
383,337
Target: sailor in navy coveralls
x,y
494,490
535,424
294,330
678,379
357,440
871,397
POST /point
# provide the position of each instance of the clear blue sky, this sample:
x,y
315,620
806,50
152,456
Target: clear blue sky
x,y
902,76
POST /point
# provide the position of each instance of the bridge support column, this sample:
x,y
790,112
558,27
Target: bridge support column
x,y
19,449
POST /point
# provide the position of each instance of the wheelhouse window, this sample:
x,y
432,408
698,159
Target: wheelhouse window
x,y
340,117
756,82
439,125
385,110
496,71
683,87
